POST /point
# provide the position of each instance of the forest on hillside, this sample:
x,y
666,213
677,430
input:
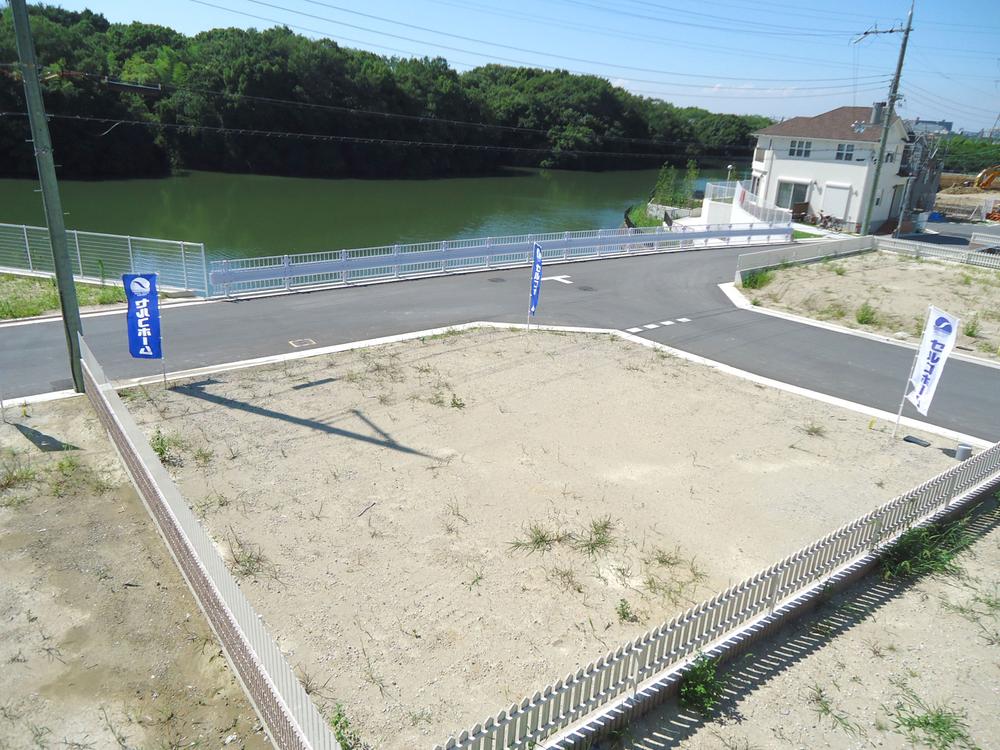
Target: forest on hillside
x,y
197,93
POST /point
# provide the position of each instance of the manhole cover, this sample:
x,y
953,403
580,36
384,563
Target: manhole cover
x,y
585,288
497,280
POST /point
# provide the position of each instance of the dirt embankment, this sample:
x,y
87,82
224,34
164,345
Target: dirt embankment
x,y
100,641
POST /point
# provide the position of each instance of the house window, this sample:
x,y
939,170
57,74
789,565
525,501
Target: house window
x,y
845,152
800,148
790,193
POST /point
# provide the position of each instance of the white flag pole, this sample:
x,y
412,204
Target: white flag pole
x,y
906,387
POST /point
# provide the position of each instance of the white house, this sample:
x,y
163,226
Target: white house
x,y
828,162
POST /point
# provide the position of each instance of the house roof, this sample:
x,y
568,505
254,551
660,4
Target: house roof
x,y
836,125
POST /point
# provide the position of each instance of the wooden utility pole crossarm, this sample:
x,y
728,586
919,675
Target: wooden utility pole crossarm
x,y
50,187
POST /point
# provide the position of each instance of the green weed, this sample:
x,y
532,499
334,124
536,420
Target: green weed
x,y
597,538
938,727
537,539
866,315
346,735
701,687
167,448
15,473
926,549
971,328
625,612
758,279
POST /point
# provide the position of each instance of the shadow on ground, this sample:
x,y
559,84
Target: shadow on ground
x,y
670,724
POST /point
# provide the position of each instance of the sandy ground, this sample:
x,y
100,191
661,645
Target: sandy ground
x,y
852,673
101,645
900,289
380,506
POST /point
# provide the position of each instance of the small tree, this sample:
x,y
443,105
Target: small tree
x,y
690,180
665,191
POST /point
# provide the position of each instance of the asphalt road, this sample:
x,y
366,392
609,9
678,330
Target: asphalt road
x,y
623,293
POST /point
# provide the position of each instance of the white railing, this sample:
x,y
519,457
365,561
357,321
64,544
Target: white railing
x,y
342,267
723,617
985,239
288,714
939,252
804,253
740,197
99,258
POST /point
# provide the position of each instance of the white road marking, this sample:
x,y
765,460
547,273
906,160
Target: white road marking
x,y
634,330
651,326
666,322
296,343
684,320
564,279
680,354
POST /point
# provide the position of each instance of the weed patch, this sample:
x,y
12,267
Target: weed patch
x,y
938,727
866,315
701,687
927,549
758,279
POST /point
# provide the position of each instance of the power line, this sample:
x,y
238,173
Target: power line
x,y
393,115
506,46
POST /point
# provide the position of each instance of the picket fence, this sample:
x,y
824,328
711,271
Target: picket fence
x,y
529,723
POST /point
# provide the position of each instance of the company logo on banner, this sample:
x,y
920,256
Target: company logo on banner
x,y
143,318
939,340
536,278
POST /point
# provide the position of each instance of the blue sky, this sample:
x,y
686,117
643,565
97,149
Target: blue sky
x,y
773,58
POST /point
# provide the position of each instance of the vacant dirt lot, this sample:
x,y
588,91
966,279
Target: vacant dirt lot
x,y
897,291
101,645
880,666
436,529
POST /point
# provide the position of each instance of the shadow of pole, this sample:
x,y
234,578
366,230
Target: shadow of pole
x,y
197,390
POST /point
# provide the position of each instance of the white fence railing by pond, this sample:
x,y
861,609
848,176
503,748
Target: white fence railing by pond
x,y
531,722
341,267
99,258
289,716
740,196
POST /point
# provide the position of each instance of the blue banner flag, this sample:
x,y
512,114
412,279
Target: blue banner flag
x,y
536,279
143,318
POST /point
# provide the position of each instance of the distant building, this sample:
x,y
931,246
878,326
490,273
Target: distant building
x,y
826,164
930,127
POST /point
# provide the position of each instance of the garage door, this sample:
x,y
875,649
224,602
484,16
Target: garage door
x,y
836,199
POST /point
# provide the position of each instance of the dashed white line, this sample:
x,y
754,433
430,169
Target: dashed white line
x,y
634,330
650,326
684,320
666,322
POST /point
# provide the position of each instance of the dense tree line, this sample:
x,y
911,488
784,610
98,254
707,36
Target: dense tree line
x,y
223,78
968,155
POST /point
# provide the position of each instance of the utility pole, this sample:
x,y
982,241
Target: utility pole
x,y
889,112
50,188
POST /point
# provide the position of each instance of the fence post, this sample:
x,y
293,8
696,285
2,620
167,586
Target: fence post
x,y
204,270
27,246
565,245
444,260
395,258
772,590
131,259
873,538
286,262
184,267
489,255
79,258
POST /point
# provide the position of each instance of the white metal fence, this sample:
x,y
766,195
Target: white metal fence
x,y
939,252
282,272
985,239
740,196
291,719
662,649
105,257
801,253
